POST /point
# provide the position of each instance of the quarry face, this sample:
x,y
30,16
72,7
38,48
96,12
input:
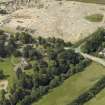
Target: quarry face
x,y
49,18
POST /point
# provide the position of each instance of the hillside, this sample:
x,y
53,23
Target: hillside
x,y
52,52
61,19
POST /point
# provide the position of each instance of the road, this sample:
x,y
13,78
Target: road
x,y
91,57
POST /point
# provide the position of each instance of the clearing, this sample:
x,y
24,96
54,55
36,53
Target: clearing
x,y
7,67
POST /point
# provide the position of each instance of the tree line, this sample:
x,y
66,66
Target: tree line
x,y
94,43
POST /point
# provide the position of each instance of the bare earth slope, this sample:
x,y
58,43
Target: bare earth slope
x,y
59,19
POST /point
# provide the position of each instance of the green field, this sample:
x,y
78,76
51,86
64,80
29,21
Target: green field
x,y
73,86
7,67
91,1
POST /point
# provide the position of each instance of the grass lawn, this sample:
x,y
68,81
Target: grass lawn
x,y
7,67
91,1
98,100
73,86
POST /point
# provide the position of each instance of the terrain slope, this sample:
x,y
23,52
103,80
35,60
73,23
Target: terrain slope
x,y
63,19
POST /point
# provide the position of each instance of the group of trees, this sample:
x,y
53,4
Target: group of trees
x,y
92,92
7,46
94,42
52,65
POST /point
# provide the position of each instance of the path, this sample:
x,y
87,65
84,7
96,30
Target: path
x,y
91,57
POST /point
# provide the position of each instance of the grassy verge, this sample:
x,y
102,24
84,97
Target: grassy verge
x,y
73,86
95,17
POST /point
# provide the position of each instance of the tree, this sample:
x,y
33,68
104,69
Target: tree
x,y
10,47
54,82
68,57
26,101
35,93
2,47
2,94
2,74
93,43
18,72
26,38
43,90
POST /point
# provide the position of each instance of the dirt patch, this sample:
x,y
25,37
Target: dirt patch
x,y
3,84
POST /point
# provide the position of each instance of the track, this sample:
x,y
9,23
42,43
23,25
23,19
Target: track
x,y
88,56
93,58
